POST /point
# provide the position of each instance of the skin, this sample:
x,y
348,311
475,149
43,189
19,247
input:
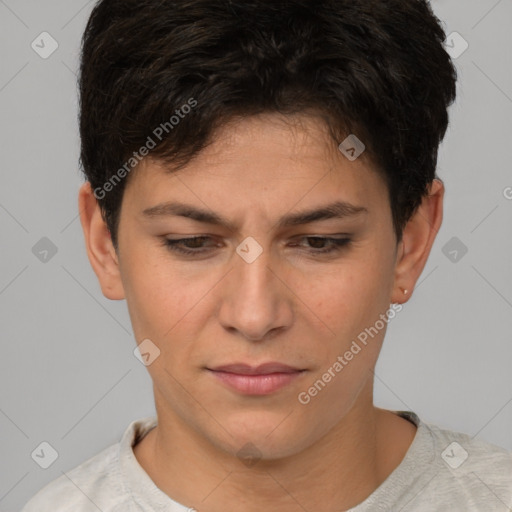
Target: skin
x,y
290,305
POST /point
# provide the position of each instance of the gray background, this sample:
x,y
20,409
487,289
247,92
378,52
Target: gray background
x,y
68,375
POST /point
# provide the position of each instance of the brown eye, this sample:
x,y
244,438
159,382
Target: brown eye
x,y
324,245
189,246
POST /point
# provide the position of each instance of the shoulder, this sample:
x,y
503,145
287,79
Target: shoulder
x,y
95,484
471,470
82,488
464,452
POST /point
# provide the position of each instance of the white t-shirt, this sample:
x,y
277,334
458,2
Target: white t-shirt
x,y
442,471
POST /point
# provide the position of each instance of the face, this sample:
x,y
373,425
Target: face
x,y
258,283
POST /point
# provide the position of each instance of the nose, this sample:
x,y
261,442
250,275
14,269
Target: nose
x,y
256,302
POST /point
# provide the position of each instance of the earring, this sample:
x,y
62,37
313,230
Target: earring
x,y
405,292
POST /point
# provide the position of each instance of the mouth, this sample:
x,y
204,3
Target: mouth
x,y
264,379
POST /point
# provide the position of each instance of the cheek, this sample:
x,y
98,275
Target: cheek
x,y
345,300
156,298
347,357
350,305
168,305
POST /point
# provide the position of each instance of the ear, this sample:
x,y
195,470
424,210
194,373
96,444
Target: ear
x,y
100,249
418,237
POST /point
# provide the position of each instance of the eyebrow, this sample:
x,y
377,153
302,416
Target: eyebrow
x,y
335,210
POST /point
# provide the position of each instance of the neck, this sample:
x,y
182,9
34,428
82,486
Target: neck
x,y
337,472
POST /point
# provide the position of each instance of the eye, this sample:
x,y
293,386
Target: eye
x,y
187,246
319,244
195,245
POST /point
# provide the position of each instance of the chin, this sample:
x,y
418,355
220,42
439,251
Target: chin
x,y
270,435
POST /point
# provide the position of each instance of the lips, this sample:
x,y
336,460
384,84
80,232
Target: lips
x,y
262,369
264,379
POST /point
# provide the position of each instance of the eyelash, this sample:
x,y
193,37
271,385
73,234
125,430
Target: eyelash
x,y
337,244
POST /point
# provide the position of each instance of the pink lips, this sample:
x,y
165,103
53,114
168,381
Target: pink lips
x,y
260,380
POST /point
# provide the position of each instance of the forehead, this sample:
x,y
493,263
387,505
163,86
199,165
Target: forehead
x,y
266,157
301,140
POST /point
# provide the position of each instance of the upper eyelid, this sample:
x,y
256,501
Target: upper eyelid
x,y
341,236
314,235
329,238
